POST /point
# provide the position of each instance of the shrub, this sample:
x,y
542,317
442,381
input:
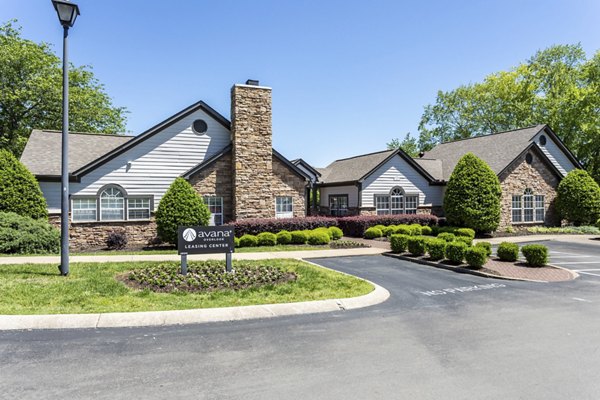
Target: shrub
x,y
487,246
535,254
19,191
473,195
578,198
598,223
357,225
373,233
236,242
465,240
380,227
436,249
426,230
456,251
476,256
447,236
465,232
266,239
415,230
508,251
299,237
25,235
399,243
347,244
322,229
254,226
389,230
403,230
284,237
248,241
416,245
335,233
116,240
317,237
180,206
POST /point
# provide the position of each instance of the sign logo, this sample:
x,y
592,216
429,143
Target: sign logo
x,y
189,235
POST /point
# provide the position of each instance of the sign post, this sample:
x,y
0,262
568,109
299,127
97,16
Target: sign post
x,y
205,240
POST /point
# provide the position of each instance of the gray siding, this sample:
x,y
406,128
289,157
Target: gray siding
x,y
158,160
397,172
351,191
555,154
51,191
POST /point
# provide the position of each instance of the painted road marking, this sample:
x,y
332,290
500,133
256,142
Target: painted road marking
x,y
579,262
463,289
588,273
572,257
583,300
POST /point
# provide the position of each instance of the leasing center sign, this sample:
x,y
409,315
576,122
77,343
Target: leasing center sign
x,y
205,239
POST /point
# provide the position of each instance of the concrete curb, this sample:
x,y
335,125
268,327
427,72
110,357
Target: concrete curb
x,y
462,270
195,316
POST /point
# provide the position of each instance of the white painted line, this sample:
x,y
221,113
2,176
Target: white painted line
x,y
580,262
463,289
554,257
579,270
589,273
582,300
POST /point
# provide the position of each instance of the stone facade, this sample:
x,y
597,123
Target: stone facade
x,y
216,180
286,182
537,176
93,235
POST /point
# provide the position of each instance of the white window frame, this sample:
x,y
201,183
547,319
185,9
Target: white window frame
x,y
334,205
284,207
397,201
125,210
112,194
138,208
88,201
212,202
528,208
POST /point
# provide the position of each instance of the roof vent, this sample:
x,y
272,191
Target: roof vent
x,y
252,82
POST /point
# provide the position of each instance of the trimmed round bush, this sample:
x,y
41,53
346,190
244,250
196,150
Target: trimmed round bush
x,y
335,233
284,237
465,232
447,236
473,193
25,235
426,230
535,254
476,256
318,237
373,233
248,241
487,246
236,242
416,245
389,230
508,251
403,230
19,191
456,251
180,206
416,230
466,240
436,249
299,237
578,198
399,243
321,229
266,239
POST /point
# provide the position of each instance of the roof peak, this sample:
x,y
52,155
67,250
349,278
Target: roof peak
x,y
494,133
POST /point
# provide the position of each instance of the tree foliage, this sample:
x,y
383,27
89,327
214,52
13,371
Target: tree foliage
x,y
180,206
19,191
578,198
409,145
472,198
558,86
31,93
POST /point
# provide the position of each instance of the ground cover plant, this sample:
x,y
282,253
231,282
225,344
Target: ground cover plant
x,y
93,287
571,230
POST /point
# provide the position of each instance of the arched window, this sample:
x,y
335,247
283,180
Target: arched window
x,y
528,207
112,204
396,202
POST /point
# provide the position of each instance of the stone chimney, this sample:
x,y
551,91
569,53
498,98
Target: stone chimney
x,y
252,163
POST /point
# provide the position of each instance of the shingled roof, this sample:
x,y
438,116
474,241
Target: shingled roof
x,y
498,150
353,168
42,154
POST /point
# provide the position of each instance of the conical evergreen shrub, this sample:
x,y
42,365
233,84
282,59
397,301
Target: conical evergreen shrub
x,y
19,191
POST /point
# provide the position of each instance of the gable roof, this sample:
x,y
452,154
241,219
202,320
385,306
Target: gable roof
x,y
498,150
356,169
42,153
299,161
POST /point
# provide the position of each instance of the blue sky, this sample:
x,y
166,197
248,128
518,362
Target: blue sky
x,y
347,76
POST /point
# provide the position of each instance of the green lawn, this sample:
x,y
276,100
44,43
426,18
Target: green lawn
x,y
92,288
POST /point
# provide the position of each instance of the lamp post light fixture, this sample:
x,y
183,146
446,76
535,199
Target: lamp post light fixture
x,y
67,14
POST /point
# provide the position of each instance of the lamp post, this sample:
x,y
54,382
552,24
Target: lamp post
x,y
67,14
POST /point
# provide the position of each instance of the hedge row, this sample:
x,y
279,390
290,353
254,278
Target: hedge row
x,y
254,226
356,226
23,235
318,236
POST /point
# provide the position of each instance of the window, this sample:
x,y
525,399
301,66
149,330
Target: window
x,y
283,207
84,210
397,202
138,208
338,205
215,206
528,207
112,205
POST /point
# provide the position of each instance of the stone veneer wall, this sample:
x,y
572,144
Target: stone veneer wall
x,y
216,180
537,176
93,235
252,152
287,183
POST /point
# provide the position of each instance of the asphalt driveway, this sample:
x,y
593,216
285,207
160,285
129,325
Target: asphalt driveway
x,y
440,335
